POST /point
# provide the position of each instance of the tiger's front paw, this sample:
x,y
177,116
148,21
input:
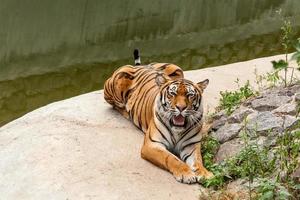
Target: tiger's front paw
x,y
185,176
204,173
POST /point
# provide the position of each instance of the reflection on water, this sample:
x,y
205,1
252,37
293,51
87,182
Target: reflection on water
x,y
21,95
27,93
52,50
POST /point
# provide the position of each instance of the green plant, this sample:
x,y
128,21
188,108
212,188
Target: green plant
x,y
256,163
230,100
288,151
251,161
209,148
287,43
269,189
296,55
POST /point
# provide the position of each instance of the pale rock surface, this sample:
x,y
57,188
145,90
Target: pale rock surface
x,y
262,122
81,148
289,108
227,132
269,102
229,149
290,121
239,114
219,123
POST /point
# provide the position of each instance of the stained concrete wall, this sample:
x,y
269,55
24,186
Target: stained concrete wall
x,y
42,36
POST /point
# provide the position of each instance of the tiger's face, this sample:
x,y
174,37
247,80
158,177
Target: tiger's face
x,y
181,103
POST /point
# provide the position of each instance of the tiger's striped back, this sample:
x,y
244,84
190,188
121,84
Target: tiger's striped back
x,y
132,90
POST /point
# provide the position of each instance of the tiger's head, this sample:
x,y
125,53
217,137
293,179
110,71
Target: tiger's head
x,y
179,105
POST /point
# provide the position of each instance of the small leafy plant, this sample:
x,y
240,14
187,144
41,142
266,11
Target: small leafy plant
x,y
230,100
296,55
269,189
287,43
269,167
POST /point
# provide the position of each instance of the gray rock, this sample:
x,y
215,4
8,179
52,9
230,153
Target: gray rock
x,y
296,175
229,149
269,102
218,123
238,189
287,109
270,142
263,141
227,132
281,91
239,115
263,122
290,121
297,96
220,114
295,89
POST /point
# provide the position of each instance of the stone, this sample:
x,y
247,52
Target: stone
x,y
260,141
239,115
220,114
297,97
218,123
296,175
269,102
270,142
235,190
238,189
290,121
262,122
295,89
229,149
286,109
227,132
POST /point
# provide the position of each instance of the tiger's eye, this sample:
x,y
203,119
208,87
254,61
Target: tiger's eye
x,y
173,93
191,95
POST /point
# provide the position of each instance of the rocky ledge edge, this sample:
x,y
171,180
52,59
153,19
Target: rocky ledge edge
x,y
265,117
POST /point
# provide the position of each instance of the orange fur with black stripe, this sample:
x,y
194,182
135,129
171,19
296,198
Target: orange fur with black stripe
x,y
168,109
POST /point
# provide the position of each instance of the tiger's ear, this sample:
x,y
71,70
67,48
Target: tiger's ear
x,y
160,79
203,84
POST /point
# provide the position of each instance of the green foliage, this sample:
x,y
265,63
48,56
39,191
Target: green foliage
x,y
257,163
251,161
269,189
209,148
281,64
287,152
296,55
287,43
273,78
287,34
230,100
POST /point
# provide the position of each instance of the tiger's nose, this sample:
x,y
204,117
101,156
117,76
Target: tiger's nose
x,y
181,107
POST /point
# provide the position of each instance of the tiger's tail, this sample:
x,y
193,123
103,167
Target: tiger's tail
x,y
137,58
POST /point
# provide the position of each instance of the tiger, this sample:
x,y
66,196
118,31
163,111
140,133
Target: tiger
x,y
168,109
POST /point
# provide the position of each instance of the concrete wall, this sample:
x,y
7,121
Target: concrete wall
x,y
42,36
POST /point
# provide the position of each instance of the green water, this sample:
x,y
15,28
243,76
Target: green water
x,y
52,50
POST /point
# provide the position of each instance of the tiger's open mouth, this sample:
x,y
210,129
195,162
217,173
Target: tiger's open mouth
x,y
178,120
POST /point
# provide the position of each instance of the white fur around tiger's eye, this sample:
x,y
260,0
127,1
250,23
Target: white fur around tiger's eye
x,y
172,90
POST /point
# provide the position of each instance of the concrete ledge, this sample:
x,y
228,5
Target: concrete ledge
x,y
80,148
